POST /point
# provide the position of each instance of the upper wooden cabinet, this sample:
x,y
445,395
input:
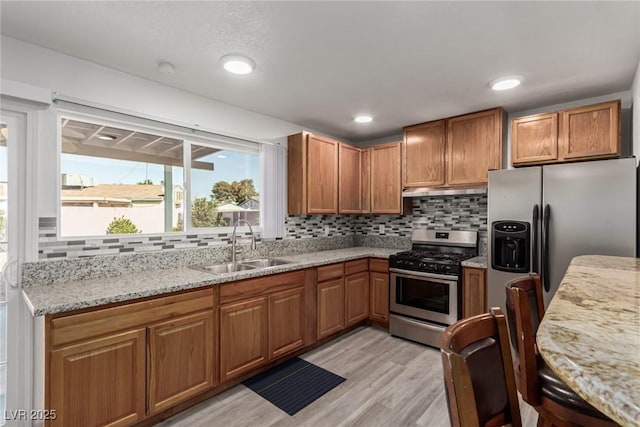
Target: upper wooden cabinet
x,y
365,192
329,177
386,178
590,132
474,146
350,178
312,178
456,151
423,158
534,139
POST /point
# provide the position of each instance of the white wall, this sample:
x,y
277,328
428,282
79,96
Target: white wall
x,y
72,77
93,221
635,100
69,76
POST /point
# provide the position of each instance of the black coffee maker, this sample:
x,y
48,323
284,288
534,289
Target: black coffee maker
x,y
511,246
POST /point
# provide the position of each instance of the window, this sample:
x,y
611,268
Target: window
x,y
226,193
123,181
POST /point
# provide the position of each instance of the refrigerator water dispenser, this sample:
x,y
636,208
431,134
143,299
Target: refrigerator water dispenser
x,y
510,246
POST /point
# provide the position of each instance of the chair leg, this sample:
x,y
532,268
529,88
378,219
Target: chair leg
x,y
544,423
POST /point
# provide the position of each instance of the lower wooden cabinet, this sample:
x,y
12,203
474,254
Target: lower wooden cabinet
x,y
99,382
330,307
356,294
120,365
244,337
379,296
474,291
181,359
286,322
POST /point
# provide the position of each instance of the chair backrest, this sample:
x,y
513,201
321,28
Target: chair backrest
x,y
525,310
478,373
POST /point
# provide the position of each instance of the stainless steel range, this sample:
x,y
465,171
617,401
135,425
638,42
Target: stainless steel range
x,y
425,284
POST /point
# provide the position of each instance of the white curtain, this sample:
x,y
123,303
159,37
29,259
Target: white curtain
x,y
273,169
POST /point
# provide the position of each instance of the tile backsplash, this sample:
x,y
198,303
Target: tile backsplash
x,y
466,212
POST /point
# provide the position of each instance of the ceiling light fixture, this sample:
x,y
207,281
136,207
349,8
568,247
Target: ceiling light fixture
x,y
505,83
166,67
363,118
106,137
238,64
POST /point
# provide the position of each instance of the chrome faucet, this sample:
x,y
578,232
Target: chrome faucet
x,y
233,239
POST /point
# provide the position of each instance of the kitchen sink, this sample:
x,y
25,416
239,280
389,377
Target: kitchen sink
x,y
228,267
265,262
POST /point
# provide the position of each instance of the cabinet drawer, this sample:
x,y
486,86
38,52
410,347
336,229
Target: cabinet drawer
x,y
328,272
77,327
356,266
260,286
379,264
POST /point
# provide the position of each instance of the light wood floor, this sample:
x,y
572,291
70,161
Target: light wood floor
x,y
390,382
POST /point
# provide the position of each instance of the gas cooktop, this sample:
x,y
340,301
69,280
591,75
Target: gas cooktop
x,y
438,252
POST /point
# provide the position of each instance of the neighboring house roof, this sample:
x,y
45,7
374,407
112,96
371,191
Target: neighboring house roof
x,y
252,204
117,191
230,207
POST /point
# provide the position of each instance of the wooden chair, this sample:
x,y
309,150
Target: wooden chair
x,y
478,373
555,402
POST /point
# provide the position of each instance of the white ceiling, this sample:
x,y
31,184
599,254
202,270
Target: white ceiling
x,y
321,63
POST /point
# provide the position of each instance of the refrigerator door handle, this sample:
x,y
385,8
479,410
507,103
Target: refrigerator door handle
x,y
534,225
546,217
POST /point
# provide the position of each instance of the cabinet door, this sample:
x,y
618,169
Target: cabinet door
x,y
474,145
286,322
474,291
423,155
322,179
99,382
365,191
330,307
386,178
356,292
379,296
244,337
181,359
591,131
534,139
350,176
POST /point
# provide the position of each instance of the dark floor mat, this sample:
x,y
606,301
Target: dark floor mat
x,y
293,384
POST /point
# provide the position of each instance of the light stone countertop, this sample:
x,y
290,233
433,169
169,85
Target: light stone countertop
x,y
475,262
74,295
590,334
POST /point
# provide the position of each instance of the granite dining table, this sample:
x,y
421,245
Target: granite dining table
x,y
590,334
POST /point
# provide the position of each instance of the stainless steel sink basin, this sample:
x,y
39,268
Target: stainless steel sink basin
x,y
265,262
228,267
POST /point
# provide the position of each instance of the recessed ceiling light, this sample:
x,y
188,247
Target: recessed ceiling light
x,y
221,156
166,67
364,118
238,64
106,137
505,83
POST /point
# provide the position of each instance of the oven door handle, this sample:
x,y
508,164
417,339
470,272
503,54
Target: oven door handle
x,y
441,278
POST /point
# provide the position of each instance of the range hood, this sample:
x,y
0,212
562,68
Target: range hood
x,y
453,191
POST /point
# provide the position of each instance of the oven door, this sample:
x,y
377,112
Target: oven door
x,y
431,297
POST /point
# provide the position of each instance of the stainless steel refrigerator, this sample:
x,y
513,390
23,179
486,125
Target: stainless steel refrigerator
x,y
586,208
